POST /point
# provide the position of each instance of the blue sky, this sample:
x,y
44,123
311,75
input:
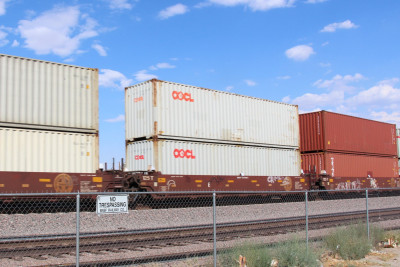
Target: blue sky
x,y
337,55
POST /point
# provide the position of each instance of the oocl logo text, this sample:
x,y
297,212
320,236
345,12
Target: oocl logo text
x,y
178,95
138,99
182,153
138,157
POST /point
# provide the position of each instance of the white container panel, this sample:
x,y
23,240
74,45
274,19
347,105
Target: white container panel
x,y
173,110
45,93
47,151
139,102
194,158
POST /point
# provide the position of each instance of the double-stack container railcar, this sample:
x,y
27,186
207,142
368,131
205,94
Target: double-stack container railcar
x,y
350,150
48,125
190,137
178,138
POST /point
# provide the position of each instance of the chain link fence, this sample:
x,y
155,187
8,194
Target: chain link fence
x,y
176,229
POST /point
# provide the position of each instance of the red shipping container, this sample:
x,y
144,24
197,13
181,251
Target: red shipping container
x,y
350,165
328,131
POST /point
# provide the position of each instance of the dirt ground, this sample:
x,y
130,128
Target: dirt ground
x,y
383,257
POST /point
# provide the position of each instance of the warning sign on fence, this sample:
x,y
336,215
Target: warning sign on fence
x,y
112,204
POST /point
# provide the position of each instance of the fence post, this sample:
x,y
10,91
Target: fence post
x,y
77,227
366,198
306,219
215,229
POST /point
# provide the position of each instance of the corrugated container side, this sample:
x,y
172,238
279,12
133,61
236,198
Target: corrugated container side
x,y
311,132
328,131
350,165
44,93
398,142
48,151
172,110
195,158
139,111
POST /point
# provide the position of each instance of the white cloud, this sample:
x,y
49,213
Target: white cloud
x,y
380,102
171,11
116,119
300,52
382,94
315,1
325,65
120,4
340,82
3,6
250,82
390,82
255,5
311,101
229,88
286,77
393,117
57,31
347,24
3,40
100,49
142,75
165,66
162,66
325,44
203,4
15,43
113,79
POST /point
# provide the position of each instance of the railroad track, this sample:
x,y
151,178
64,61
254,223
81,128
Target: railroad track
x,y
39,247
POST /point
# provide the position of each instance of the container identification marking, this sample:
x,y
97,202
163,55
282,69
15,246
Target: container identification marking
x,y
181,153
139,157
179,95
138,99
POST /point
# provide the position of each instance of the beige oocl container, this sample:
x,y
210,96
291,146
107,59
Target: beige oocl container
x,y
45,95
177,111
195,158
48,151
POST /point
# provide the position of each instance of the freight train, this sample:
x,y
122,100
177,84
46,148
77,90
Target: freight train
x,y
178,138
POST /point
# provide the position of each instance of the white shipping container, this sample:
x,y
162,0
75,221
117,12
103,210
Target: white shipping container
x,y
195,158
176,111
47,94
47,151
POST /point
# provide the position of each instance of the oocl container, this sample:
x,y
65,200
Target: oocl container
x,y
195,158
48,151
328,131
350,165
44,95
171,110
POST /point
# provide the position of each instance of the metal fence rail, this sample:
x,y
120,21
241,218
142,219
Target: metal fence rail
x,y
71,229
